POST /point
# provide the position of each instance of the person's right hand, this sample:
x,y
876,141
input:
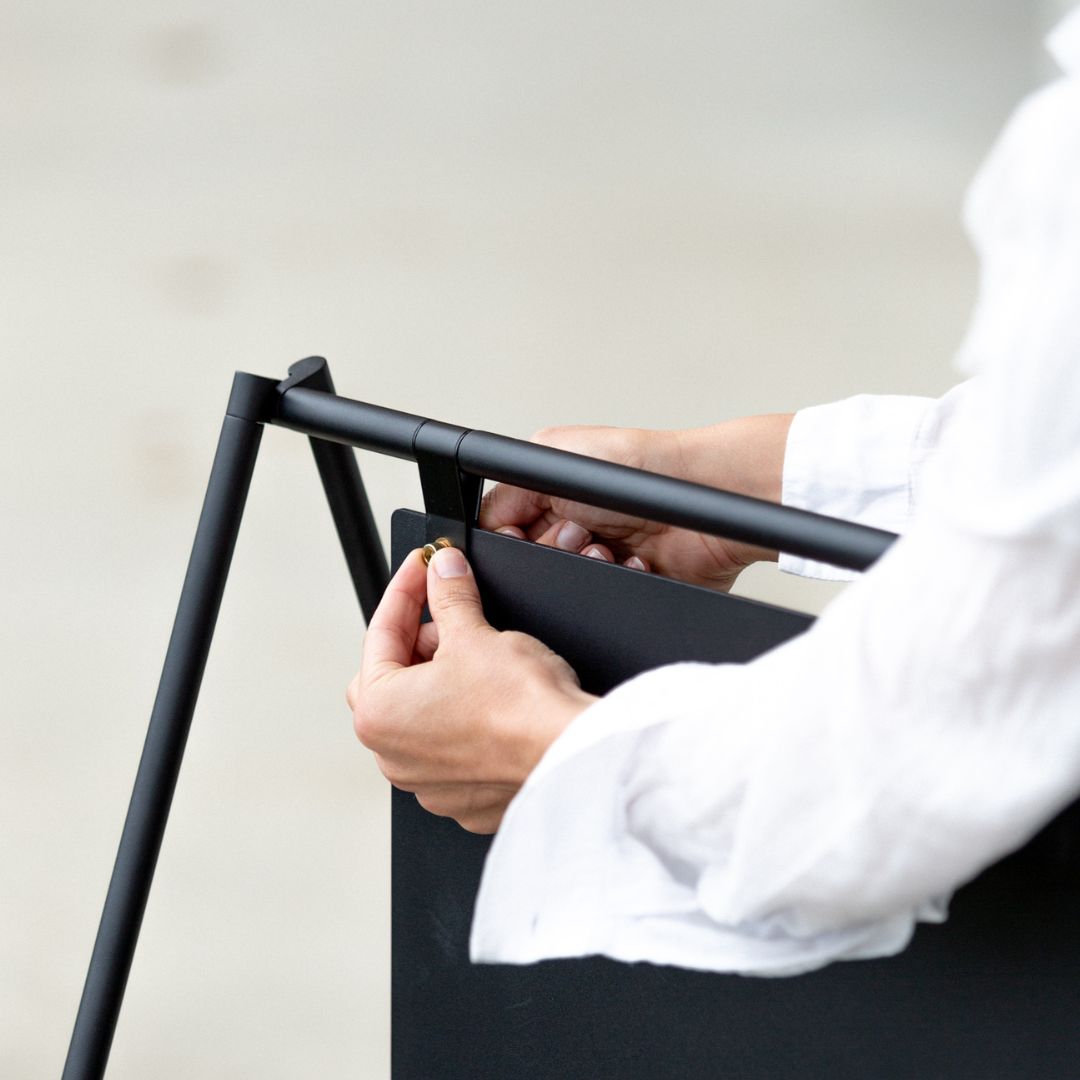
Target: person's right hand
x,y
605,534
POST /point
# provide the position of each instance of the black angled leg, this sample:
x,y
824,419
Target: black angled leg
x,y
166,737
340,475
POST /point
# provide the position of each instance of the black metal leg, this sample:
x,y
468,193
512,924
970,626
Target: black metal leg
x,y
355,522
340,475
166,737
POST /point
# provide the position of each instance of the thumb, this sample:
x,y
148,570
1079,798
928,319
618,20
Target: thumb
x,y
452,596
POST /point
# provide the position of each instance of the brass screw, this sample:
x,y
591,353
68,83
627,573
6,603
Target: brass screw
x,y
430,549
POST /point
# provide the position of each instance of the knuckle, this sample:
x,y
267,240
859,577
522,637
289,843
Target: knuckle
x,y
479,824
352,692
550,436
362,727
369,723
432,804
519,644
394,773
577,437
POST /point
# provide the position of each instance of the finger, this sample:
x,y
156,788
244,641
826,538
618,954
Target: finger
x,y
598,551
635,562
566,536
427,641
509,505
468,800
541,525
511,530
485,824
452,595
391,634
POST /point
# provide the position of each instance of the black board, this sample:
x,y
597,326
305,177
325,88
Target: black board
x,y
994,993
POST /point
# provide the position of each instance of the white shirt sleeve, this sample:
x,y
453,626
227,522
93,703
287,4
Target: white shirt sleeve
x,y
862,460
816,803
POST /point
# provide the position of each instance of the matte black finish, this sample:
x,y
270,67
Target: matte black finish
x,y
253,397
991,995
451,498
346,495
166,737
599,483
677,502
608,621
355,423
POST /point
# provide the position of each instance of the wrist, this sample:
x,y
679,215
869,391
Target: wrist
x,y
745,456
549,711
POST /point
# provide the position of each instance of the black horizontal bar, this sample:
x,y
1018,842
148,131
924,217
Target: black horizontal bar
x,y
675,502
355,423
598,483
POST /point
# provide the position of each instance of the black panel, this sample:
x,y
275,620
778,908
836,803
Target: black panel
x,y
609,622
993,993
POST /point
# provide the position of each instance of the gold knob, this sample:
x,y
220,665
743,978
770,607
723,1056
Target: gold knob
x,y
430,549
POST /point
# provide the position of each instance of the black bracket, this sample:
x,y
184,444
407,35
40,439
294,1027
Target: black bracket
x,y
312,372
451,497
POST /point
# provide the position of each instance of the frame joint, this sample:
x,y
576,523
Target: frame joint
x,y
451,497
253,398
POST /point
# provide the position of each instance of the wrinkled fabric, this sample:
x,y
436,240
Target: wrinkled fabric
x,y
862,460
815,804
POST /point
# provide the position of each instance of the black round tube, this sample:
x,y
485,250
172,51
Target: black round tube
x,y
342,420
599,483
354,521
163,750
676,502
349,505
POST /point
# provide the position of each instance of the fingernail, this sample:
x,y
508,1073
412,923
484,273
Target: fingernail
x,y
509,530
595,553
634,563
571,537
449,562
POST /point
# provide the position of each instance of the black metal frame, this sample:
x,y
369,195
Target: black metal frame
x,y
453,461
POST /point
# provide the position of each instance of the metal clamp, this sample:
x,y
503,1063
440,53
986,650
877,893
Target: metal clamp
x,y
451,497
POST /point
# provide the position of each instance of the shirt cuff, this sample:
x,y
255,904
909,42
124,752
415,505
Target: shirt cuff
x,y
853,460
566,877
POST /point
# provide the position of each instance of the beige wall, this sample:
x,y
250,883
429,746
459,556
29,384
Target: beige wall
x,y
503,215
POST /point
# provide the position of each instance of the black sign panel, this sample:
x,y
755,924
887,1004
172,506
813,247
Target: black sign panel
x,y
993,993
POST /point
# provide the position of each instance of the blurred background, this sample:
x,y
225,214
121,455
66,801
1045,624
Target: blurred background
x,y
501,215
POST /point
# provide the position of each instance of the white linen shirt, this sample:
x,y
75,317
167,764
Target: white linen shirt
x,y
814,804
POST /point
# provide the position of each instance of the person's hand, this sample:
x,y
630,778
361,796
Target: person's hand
x,y
743,455
455,711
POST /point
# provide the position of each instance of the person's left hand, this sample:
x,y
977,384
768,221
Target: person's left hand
x,y
455,711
